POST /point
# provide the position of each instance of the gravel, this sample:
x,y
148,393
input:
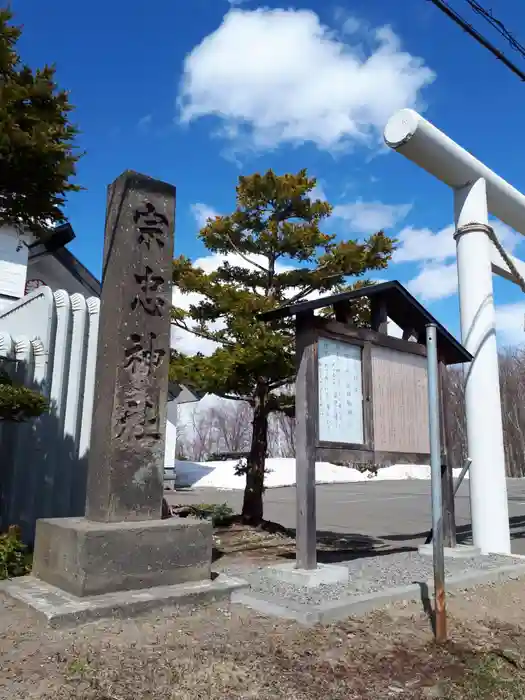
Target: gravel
x,y
367,575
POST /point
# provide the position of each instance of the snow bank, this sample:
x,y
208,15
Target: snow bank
x,y
281,472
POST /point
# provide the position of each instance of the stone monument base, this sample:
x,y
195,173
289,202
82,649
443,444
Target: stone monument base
x,y
87,558
60,609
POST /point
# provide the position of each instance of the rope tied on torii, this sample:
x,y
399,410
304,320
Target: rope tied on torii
x,y
518,279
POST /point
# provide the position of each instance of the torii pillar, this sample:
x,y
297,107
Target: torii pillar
x,y
476,188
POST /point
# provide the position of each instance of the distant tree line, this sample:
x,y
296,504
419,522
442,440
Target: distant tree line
x,y
226,427
512,383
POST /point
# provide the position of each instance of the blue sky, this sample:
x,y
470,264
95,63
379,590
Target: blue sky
x,y
196,92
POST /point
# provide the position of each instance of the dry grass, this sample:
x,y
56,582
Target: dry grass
x,y
214,652
271,541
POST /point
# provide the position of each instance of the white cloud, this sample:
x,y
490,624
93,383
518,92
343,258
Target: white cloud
x,y
351,25
144,122
202,212
369,217
280,76
437,277
510,323
187,342
420,244
434,281
318,192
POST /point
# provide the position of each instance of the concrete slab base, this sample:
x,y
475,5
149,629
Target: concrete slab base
x,y
460,551
60,609
360,604
87,558
324,574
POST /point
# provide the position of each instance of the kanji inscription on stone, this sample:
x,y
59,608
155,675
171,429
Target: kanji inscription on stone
x,y
126,459
152,225
149,293
139,419
142,354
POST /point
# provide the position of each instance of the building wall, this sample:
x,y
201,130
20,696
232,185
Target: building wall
x,y
171,436
400,401
16,269
55,275
13,264
49,270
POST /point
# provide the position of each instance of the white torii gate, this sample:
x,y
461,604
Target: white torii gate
x,y
477,191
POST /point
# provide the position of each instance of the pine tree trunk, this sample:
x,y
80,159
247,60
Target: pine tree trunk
x,y
252,507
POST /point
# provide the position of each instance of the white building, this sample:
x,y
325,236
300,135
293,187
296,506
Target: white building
x,y
26,264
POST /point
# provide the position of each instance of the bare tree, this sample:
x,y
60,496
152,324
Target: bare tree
x,y
454,409
197,440
281,435
232,425
512,383
512,380
225,427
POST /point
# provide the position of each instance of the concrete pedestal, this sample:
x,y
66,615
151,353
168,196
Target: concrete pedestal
x,y
460,551
87,558
322,575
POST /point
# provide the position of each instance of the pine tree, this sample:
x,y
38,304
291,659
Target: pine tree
x,y
36,162
274,252
18,403
36,140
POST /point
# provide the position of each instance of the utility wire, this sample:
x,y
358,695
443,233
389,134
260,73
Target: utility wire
x,y
498,26
469,29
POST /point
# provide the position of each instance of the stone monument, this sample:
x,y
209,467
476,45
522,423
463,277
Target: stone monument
x,y
122,543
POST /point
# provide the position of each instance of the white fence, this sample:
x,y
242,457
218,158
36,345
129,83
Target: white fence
x,y
52,336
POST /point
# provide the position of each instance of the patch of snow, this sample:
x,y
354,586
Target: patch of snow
x,y
281,472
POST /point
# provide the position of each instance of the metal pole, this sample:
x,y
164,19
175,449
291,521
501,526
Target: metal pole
x,y
305,434
440,615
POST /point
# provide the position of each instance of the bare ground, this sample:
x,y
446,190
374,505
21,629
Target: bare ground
x,y
271,542
214,652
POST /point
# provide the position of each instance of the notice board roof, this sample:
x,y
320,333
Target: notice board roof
x,y
401,307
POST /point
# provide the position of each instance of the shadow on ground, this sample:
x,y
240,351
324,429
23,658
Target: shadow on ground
x,y
188,473
464,532
271,540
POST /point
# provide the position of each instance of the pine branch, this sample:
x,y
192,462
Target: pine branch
x,y
245,257
38,140
271,274
248,399
280,383
275,405
308,290
201,334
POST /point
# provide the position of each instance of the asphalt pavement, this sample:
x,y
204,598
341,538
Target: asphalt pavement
x,y
395,512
